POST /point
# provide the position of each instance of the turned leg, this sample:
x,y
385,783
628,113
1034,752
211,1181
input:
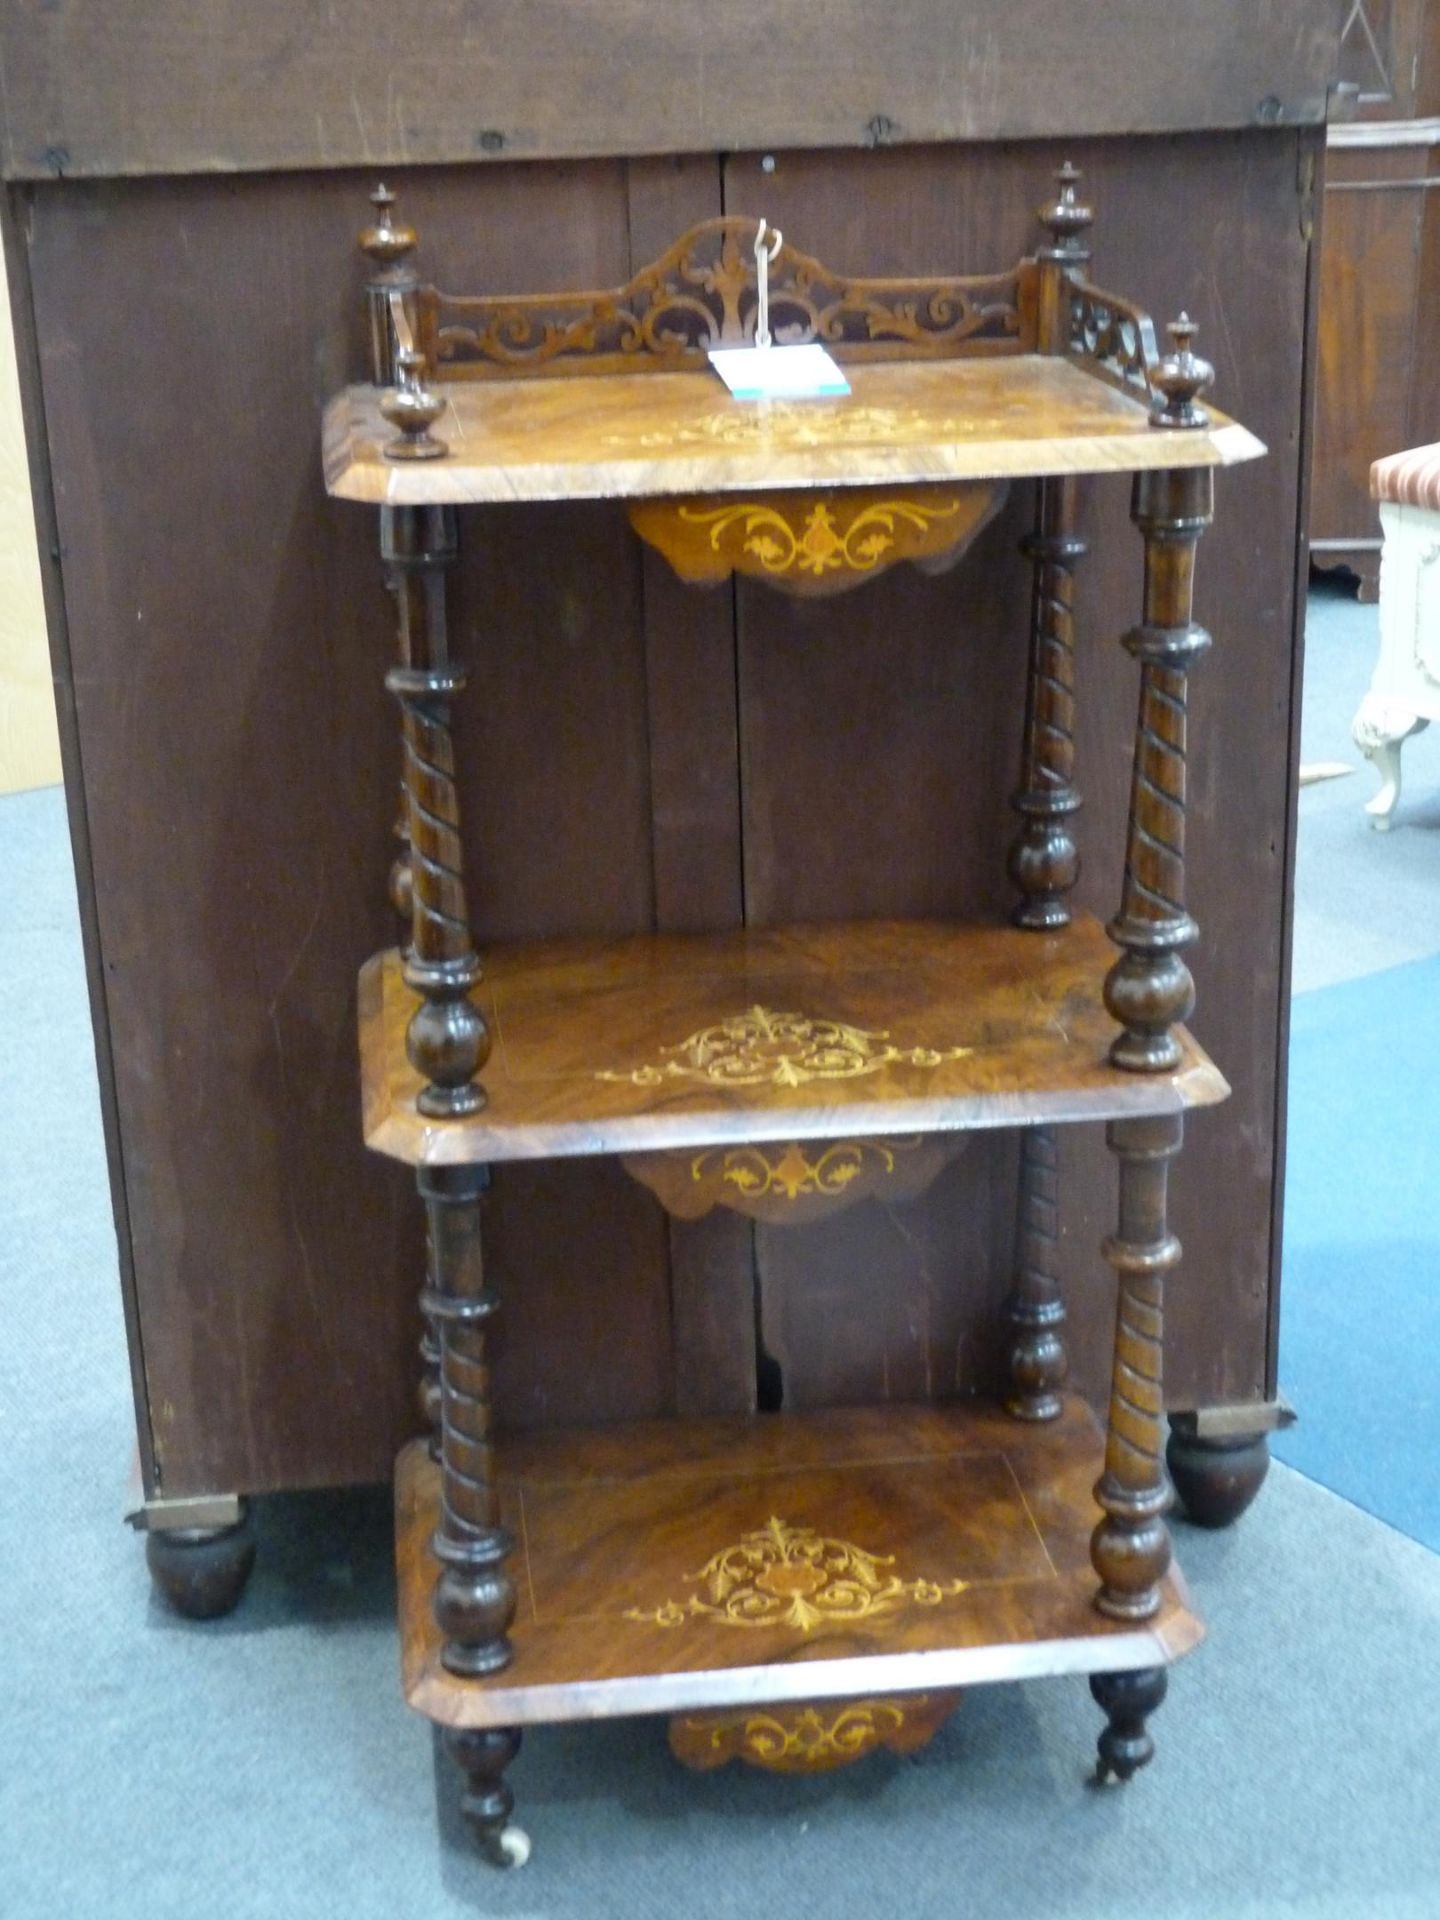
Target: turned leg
x,y
483,1754
1127,1699
1035,1309
447,1040
202,1571
474,1598
1043,862
1130,1548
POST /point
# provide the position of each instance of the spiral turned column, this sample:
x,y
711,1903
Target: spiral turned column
x,y
447,1041
1130,1548
474,1598
1035,1309
1149,988
1043,861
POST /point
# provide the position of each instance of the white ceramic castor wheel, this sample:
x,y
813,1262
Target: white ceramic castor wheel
x,y
510,1847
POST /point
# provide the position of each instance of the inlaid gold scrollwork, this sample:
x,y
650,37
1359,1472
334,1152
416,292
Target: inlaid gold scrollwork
x,y
784,1576
795,1174
758,1047
814,1738
822,543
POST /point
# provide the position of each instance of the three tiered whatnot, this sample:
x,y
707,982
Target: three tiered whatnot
x,y
792,1590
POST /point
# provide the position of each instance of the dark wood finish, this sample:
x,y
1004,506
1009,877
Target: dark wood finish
x,y
1128,1699
474,1596
987,1519
811,1033
92,89
1131,1545
1036,1308
488,1800
810,1736
1150,987
202,1571
1215,1479
447,1041
788,1182
1043,861
1376,390
210,982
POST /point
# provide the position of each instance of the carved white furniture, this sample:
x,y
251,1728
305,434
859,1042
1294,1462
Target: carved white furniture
x,y
1404,695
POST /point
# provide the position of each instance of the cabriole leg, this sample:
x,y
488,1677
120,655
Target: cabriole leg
x,y
474,1597
1130,1548
1035,1309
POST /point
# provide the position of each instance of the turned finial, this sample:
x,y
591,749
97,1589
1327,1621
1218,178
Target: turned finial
x,y
413,408
386,243
1180,376
1067,219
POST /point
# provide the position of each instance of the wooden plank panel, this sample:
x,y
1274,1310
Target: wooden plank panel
x,y
880,739
196,86
1369,273
228,637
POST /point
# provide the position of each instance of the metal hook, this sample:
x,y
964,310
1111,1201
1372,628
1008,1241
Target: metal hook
x,y
765,252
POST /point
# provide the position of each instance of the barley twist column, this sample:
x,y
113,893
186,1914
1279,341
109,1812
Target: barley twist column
x,y
1035,1309
1043,861
474,1598
1130,1548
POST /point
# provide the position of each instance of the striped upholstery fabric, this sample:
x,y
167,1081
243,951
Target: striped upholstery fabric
x,y
1408,479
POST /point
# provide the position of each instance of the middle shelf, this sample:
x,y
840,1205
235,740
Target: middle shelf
x,y
796,1033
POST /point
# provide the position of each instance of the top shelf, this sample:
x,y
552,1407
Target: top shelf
x,y
656,435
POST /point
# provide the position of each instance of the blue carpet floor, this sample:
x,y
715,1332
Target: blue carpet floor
x,y
1360,1328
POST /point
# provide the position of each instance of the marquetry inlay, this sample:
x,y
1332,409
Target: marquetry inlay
x,y
784,1576
761,1048
793,1173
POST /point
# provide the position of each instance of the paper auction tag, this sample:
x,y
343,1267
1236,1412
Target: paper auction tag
x,y
778,373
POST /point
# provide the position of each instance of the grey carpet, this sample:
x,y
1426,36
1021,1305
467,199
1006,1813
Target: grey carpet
x,y
265,1766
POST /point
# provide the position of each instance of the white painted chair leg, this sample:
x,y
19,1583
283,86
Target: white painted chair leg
x,y
1380,729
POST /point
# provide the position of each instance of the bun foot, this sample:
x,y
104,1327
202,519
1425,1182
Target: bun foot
x,y
1216,1480
202,1571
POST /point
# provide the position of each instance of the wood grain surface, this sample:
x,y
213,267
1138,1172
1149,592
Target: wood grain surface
x,y
878,1550
92,88
233,765
806,1033
635,436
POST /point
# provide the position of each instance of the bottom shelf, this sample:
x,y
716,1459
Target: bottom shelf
x,y
675,1565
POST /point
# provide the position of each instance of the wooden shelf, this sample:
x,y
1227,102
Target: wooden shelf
x,y
653,435
885,1549
802,1033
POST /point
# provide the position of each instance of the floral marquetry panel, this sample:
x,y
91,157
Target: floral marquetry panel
x,y
817,543
828,1033
846,1557
787,1183
813,1736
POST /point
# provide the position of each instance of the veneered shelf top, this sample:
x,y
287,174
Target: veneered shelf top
x,y
654,435
802,1033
